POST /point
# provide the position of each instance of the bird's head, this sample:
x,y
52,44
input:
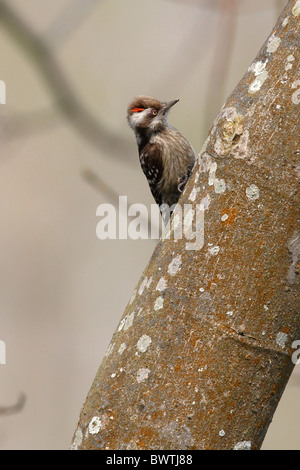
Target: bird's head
x,y
146,113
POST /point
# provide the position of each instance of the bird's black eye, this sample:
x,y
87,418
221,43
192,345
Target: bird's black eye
x,y
153,112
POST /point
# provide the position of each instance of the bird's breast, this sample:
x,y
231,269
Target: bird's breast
x,y
177,154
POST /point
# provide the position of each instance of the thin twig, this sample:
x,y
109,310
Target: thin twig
x,y
64,95
22,124
16,408
100,185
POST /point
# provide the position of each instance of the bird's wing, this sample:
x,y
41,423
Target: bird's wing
x,y
152,166
183,180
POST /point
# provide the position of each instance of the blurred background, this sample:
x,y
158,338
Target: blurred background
x,y
71,67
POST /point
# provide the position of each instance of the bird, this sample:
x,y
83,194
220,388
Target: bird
x,y
166,157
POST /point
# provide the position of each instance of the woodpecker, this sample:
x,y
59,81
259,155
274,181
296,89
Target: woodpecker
x,y
166,157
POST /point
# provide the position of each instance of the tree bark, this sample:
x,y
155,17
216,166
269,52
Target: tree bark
x,y
203,351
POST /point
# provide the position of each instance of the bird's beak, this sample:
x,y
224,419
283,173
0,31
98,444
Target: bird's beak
x,y
169,105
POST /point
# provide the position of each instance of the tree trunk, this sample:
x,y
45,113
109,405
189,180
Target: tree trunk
x,y
203,352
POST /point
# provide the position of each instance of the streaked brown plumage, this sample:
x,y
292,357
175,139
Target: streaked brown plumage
x,y
166,157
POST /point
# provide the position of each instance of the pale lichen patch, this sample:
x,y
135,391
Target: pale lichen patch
x,y
142,286
205,202
140,311
273,43
214,250
212,173
252,192
296,9
289,62
109,349
132,297
294,249
258,67
161,285
285,22
142,374
95,425
296,94
219,186
122,348
149,282
159,303
228,127
77,439
175,265
257,83
178,435
243,445
143,343
281,339
126,322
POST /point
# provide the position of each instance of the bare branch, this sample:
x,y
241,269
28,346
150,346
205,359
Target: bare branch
x,y
65,97
20,125
13,409
100,185
246,5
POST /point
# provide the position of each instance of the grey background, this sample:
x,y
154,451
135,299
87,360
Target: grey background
x,y
62,290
